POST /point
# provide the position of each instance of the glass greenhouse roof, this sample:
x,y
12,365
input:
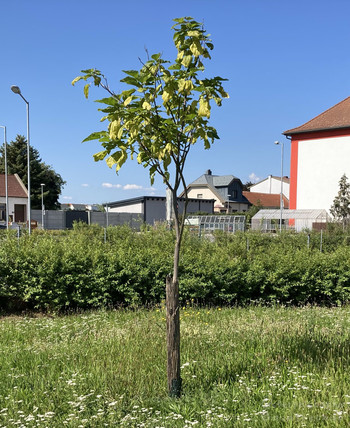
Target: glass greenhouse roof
x,y
292,214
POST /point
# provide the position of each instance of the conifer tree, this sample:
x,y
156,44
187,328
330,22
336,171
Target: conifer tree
x,y
40,173
340,209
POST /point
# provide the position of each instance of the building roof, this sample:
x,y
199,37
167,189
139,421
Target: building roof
x,y
336,117
312,214
15,187
214,180
267,200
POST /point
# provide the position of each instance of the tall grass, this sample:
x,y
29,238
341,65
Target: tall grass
x,y
241,367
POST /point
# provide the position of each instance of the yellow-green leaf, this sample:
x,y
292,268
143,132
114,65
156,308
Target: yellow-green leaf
x,y
204,108
180,55
196,48
74,81
193,33
185,86
120,133
128,100
114,129
146,105
166,96
100,155
186,61
110,161
86,90
121,160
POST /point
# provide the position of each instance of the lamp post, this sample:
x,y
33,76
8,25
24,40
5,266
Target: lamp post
x,y
6,186
281,199
17,90
42,206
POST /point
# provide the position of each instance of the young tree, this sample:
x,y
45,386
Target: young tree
x,y
158,120
340,209
39,173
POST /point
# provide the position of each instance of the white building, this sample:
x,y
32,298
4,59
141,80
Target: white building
x,y
272,185
320,155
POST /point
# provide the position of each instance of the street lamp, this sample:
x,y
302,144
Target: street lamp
x,y
281,200
16,90
42,206
6,187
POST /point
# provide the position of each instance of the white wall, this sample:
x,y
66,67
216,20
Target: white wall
x,y
271,185
321,163
132,208
13,202
204,191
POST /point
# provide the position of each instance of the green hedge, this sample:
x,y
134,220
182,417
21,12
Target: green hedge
x,y
78,269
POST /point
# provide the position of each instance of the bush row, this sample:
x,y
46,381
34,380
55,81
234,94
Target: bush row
x,y
80,269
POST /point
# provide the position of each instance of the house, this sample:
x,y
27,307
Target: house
x,y
226,190
17,199
266,200
272,184
320,153
153,208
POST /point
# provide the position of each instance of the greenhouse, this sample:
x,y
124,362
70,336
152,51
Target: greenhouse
x,y
209,223
269,220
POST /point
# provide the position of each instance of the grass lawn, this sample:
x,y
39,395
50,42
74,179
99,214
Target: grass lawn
x,y
242,367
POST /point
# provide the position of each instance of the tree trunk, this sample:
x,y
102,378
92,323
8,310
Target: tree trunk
x,y
173,337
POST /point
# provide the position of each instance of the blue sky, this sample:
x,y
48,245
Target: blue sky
x,y
286,61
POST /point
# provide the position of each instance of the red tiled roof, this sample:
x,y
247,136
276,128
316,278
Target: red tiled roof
x,y
15,187
266,200
336,117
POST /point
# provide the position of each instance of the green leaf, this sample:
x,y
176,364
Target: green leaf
x,y
109,101
131,81
132,73
95,136
100,155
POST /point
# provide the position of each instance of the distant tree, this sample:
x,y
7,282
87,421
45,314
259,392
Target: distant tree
x,y
340,209
246,186
100,208
40,173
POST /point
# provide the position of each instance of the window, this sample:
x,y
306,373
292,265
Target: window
x,y
199,195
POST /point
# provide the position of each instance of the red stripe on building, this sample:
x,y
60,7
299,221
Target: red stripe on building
x,y
293,175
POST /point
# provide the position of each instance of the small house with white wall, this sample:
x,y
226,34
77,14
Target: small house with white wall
x,y
153,208
320,155
17,199
271,185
